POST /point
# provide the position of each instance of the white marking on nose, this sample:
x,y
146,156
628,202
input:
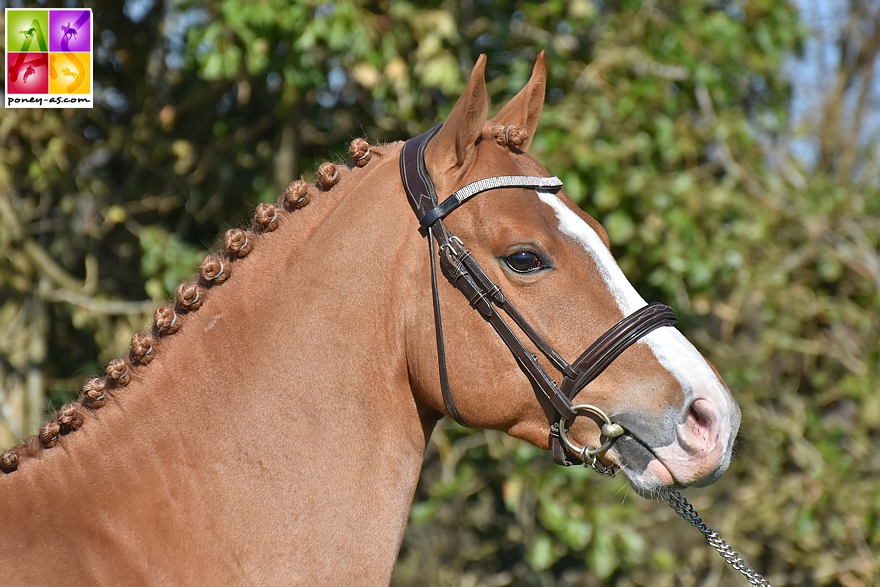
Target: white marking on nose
x,y
674,352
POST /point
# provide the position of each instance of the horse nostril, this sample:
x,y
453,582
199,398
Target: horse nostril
x,y
701,420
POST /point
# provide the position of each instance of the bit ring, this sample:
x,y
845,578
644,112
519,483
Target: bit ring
x,y
610,430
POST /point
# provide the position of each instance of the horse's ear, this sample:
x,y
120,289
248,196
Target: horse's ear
x,y
456,144
525,108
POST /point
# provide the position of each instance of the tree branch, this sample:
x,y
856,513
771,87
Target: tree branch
x,y
99,306
45,264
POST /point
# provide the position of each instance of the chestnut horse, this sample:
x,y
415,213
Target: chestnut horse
x,y
271,429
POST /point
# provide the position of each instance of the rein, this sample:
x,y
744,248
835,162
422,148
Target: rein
x,y
486,297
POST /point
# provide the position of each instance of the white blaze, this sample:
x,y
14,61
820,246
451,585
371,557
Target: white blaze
x,y
674,352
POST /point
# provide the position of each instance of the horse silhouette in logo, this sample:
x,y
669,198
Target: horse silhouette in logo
x,y
67,73
29,34
69,31
29,72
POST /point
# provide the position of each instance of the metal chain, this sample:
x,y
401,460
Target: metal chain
x,y
687,511
684,509
594,463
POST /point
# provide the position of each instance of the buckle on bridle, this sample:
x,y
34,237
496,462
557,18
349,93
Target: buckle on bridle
x,y
455,259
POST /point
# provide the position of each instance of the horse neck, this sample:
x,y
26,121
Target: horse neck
x,y
280,414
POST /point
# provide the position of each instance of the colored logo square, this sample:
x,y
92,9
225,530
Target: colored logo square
x,y
27,30
49,58
69,73
28,73
70,30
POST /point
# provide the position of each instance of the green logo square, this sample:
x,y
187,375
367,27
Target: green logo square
x,y
27,30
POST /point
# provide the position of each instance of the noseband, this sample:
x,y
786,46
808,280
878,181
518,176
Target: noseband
x,y
486,297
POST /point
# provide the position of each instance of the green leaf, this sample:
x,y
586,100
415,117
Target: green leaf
x,y
542,553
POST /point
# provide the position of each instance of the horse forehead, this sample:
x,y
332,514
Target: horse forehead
x,y
512,205
577,229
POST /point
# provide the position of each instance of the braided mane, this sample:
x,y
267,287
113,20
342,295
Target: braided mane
x,y
215,270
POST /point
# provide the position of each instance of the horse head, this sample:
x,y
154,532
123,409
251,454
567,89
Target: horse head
x,y
552,262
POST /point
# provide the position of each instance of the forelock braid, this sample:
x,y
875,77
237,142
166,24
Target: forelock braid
x,y
511,136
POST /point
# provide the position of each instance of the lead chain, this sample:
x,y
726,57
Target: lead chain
x,y
684,509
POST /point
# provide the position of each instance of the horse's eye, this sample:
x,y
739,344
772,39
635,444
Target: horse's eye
x,y
524,262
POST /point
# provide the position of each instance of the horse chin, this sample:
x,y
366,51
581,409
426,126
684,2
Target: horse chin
x,y
647,475
647,472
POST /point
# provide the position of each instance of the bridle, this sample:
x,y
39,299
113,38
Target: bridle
x,y
486,297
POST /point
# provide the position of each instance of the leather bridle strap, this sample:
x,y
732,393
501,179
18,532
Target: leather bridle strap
x,y
438,329
458,198
486,297
610,345
467,275
602,353
423,197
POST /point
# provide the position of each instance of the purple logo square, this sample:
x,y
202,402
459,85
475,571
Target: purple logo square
x,y
70,30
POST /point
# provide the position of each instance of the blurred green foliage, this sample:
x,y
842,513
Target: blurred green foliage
x,y
668,123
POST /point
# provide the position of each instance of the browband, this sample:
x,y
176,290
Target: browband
x,y
551,184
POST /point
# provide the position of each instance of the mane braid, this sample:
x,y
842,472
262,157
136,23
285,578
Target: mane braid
x,y
511,136
215,270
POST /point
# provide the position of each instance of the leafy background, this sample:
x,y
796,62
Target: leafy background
x,y
676,124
